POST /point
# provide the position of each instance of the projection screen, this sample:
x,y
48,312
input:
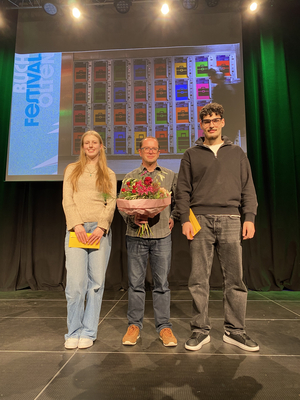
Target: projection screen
x,y
126,77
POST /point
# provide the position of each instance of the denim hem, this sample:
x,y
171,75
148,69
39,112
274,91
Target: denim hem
x,y
161,327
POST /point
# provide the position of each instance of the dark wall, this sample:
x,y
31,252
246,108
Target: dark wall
x,y
103,28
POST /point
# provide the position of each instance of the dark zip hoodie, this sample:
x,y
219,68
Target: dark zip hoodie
x,y
210,184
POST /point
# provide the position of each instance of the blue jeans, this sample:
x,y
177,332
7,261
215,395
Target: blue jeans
x,y
85,282
224,234
159,251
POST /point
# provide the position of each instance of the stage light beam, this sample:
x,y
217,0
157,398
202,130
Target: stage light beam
x,y
76,12
253,6
2,21
165,8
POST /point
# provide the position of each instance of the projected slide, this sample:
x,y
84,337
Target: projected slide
x,y
59,96
34,126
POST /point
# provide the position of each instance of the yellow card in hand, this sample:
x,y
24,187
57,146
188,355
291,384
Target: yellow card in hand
x,y
194,222
74,242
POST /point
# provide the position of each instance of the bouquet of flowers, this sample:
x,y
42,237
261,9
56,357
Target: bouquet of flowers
x,y
143,196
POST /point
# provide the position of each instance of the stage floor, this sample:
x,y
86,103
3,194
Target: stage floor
x,y
35,365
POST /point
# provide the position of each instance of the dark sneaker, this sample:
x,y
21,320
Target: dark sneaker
x,y
167,337
242,341
196,341
131,336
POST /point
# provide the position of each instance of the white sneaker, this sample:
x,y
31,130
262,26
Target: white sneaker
x,y
84,343
242,341
71,343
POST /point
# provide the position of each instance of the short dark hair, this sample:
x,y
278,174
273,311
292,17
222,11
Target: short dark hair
x,y
212,72
148,137
219,74
211,108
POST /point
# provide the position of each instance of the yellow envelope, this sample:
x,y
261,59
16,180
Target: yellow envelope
x,y
194,222
74,242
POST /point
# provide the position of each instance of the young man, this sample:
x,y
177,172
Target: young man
x,y
157,248
215,181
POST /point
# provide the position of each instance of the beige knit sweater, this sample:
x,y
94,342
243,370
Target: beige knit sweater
x,y
87,203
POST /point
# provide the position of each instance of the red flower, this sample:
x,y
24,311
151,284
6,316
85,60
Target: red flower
x,y
128,183
148,181
123,190
133,191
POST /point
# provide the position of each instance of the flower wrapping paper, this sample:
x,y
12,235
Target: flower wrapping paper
x,y
147,207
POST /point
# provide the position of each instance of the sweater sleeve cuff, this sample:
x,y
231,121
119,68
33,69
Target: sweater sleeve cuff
x,y
250,217
185,217
72,222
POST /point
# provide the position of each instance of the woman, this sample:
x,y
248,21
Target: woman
x,y
89,199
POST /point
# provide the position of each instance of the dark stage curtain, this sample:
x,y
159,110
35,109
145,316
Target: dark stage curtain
x,y
32,221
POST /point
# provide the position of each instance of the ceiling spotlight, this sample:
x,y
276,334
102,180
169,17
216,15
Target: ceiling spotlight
x,y
76,12
165,8
122,6
2,20
189,4
50,8
212,3
253,6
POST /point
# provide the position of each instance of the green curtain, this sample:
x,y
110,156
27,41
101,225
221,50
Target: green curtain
x,y
7,47
272,95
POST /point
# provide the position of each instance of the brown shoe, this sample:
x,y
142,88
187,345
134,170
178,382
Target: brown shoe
x,y
131,336
167,337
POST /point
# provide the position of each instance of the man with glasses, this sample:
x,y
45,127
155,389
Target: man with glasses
x,y
215,181
157,248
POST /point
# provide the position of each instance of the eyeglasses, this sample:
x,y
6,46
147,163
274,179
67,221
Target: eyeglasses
x,y
148,149
215,121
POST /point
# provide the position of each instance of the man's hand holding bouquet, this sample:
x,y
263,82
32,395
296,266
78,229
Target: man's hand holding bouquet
x,y
144,198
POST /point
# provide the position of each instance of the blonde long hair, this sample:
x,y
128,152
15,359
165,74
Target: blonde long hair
x,y
103,182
